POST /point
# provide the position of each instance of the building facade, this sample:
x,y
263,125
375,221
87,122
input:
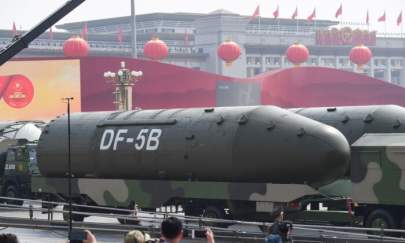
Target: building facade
x,y
193,40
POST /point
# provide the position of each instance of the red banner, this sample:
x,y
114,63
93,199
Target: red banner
x,y
345,36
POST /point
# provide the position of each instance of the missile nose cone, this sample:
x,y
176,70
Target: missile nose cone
x,y
335,152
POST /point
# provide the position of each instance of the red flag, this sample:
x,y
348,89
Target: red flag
x,y
367,18
50,34
186,43
382,18
295,14
256,13
85,32
120,35
339,11
276,12
312,16
14,29
399,19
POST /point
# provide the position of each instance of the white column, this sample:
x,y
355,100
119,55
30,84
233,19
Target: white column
x,y
372,67
389,68
263,64
282,60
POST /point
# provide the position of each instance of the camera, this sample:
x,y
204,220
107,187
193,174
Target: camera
x,y
200,233
77,236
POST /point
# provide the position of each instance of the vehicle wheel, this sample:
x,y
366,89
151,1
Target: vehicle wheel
x,y
264,229
11,191
215,213
75,217
128,221
403,227
380,219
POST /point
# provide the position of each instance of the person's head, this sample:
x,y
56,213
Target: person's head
x,y
278,214
8,238
172,229
136,236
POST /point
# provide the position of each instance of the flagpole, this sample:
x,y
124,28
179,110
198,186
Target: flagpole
x,y
260,29
314,19
314,24
401,25
368,21
385,28
278,20
296,17
385,25
278,25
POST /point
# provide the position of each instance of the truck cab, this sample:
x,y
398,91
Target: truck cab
x,y
378,182
17,165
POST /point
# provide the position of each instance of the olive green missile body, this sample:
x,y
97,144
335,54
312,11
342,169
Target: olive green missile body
x,y
355,121
230,144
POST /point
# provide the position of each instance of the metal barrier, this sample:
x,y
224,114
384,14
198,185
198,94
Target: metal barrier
x,y
191,223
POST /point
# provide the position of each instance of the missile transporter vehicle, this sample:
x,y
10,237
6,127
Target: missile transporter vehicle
x,y
375,182
231,162
18,157
199,141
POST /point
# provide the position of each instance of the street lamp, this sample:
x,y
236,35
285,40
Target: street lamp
x,y
68,101
123,80
133,30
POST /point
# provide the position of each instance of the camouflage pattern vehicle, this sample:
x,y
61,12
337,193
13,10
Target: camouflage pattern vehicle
x,y
18,157
373,184
17,165
243,201
378,179
375,180
231,162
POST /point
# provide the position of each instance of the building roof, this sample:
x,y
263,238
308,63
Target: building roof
x,y
186,17
189,17
106,37
222,11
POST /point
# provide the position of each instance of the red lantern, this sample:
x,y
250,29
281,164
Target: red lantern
x,y
360,55
75,47
155,49
297,54
229,51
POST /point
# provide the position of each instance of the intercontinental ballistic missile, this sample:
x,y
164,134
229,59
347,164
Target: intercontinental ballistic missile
x,y
230,144
355,121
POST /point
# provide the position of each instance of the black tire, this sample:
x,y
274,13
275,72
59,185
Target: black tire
x,y
213,212
402,226
126,221
381,219
264,229
75,217
11,191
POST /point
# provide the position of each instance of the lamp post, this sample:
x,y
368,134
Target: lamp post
x,y
133,30
68,100
123,80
